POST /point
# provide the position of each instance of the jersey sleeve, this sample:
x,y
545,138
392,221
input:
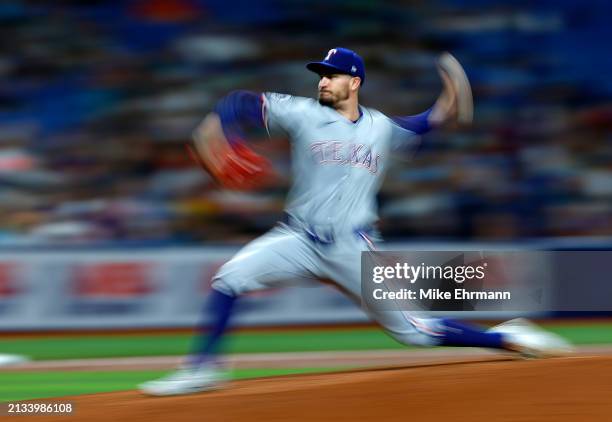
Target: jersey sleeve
x,y
239,110
417,123
403,140
406,131
280,112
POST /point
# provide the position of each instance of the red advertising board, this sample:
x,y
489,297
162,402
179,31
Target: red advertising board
x,y
112,280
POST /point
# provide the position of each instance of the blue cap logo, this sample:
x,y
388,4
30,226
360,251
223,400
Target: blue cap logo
x,y
330,53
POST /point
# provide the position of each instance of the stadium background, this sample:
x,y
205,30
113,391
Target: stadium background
x,y
98,99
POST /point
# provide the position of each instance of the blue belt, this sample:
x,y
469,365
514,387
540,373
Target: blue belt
x,y
326,238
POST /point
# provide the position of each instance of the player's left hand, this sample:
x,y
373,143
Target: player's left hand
x,y
233,166
455,104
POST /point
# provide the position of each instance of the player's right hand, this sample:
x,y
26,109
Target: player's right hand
x,y
456,102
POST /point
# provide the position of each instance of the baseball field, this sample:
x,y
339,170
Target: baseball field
x,y
354,373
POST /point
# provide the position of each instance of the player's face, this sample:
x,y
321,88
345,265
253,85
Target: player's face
x,y
334,88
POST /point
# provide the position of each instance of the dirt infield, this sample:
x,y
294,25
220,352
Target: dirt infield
x,y
564,389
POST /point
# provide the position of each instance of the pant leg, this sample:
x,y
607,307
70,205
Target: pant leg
x,y
281,257
342,264
278,258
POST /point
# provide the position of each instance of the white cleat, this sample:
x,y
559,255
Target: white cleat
x,y
531,341
185,381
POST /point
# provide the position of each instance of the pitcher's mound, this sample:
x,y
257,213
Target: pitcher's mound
x,y
564,389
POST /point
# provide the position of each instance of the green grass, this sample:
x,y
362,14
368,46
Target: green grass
x,y
35,385
80,347
588,334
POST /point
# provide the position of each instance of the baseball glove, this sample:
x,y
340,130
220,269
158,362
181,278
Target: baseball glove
x,y
232,165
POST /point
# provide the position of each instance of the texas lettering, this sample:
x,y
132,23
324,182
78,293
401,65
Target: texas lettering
x,y
343,153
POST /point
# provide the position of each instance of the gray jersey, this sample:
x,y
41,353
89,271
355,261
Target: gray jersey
x,y
337,165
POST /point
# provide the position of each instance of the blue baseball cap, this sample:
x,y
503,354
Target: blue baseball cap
x,y
340,60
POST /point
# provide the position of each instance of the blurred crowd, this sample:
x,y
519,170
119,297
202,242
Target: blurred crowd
x,y
98,99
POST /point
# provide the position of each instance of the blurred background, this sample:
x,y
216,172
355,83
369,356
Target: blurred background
x,y
106,223
98,99
105,216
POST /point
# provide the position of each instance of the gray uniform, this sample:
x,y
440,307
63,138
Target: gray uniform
x,y
338,167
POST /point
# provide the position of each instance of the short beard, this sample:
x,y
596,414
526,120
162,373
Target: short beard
x,y
333,100
327,102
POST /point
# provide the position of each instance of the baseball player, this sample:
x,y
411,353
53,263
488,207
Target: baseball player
x,y
340,152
